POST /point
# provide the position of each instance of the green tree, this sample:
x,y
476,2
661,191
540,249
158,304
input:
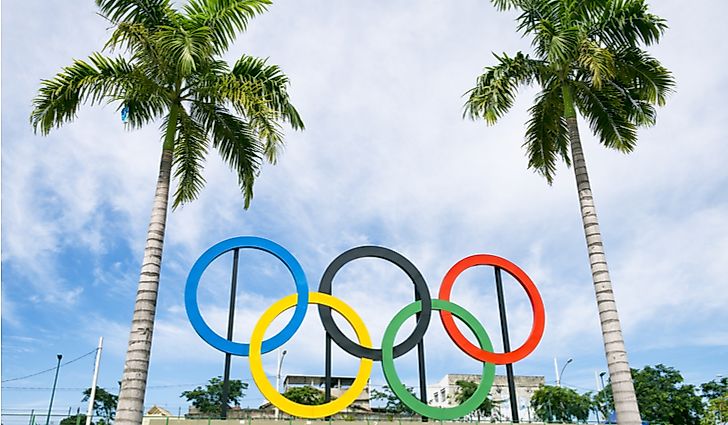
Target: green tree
x,y
169,70
78,419
307,395
716,412
465,390
662,395
208,399
104,404
560,404
587,58
715,389
393,404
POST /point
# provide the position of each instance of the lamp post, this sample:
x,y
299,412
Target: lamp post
x,y
53,392
559,375
601,378
281,355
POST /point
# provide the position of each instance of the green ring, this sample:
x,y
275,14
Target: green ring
x,y
390,374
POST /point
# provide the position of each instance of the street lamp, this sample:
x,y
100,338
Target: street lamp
x,y
53,392
559,375
281,355
601,377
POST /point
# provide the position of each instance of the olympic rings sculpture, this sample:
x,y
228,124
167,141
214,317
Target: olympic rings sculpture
x,y
363,349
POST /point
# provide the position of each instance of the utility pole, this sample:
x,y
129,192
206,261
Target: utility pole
x,y
53,392
556,371
92,396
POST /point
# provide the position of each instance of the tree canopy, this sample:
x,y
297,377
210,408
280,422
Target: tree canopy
x,y
465,390
393,404
78,419
662,396
104,404
167,67
560,404
208,399
586,57
306,394
715,389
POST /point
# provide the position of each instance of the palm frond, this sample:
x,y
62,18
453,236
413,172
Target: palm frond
x,y
94,81
597,61
184,47
271,84
225,18
257,91
608,118
636,69
627,23
547,136
496,89
150,13
639,111
236,142
555,42
190,150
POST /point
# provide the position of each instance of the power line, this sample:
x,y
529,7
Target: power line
x,y
50,369
105,388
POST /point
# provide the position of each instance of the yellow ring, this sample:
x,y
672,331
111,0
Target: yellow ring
x,y
270,393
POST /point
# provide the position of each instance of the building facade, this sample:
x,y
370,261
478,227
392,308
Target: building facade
x,y
443,394
339,385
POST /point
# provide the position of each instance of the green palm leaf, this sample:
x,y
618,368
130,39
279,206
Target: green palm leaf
x,y
225,18
496,89
547,136
189,156
236,142
608,119
150,13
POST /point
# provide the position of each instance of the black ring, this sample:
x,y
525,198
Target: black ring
x,y
421,289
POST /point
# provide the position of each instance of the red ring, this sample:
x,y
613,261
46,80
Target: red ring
x,y
539,316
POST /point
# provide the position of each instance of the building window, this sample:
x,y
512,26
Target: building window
x,y
436,400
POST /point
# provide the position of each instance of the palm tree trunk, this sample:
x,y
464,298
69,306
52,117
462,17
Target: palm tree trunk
x,y
625,400
136,366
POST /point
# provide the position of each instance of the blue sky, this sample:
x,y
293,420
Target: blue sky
x,y
386,159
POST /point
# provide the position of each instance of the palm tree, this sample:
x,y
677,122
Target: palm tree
x,y
170,69
587,58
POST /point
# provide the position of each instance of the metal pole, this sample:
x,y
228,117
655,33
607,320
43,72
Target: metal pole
x,y
556,371
53,392
564,368
327,372
596,382
421,364
92,396
231,320
281,356
506,345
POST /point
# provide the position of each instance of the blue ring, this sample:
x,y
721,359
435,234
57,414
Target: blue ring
x,y
193,281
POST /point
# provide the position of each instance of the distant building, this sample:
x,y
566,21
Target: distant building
x,y
155,414
339,384
443,394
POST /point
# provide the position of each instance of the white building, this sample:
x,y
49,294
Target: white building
x,y
443,394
